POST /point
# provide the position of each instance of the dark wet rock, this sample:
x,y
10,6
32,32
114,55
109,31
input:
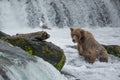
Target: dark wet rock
x,y
3,74
40,35
45,27
111,49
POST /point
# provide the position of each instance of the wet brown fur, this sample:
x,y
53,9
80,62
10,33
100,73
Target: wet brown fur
x,y
88,46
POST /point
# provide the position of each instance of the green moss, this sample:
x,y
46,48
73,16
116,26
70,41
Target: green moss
x,y
15,41
110,50
118,51
28,49
61,63
21,42
48,51
113,49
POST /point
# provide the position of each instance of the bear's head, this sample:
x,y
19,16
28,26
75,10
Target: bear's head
x,y
77,34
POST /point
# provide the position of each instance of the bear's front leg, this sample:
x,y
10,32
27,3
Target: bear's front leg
x,y
80,49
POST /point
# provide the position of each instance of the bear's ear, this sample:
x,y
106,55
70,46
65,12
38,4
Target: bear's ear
x,y
82,32
71,29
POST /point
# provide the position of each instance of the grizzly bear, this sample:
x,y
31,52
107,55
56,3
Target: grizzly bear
x,y
87,46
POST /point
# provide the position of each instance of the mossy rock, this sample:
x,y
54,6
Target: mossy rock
x,y
113,49
46,50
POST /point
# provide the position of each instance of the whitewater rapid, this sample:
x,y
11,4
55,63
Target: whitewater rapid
x,y
34,71
60,13
75,67
16,64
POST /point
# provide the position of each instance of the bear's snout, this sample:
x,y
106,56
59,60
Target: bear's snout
x,y
73,40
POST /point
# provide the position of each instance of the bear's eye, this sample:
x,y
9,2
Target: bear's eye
x,y
75,35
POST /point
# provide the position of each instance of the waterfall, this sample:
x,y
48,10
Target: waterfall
x,y
16,64
60,13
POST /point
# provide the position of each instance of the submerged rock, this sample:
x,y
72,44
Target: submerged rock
x,y
35,46
3,74
111,49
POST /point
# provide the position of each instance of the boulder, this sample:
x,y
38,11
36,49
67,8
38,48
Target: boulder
x,y
37,46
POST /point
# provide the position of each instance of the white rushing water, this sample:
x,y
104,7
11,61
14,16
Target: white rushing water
x,y
40,70
34,71
101,17
60,13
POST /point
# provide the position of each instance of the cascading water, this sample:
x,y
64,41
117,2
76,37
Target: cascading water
x,y
17,15
84,13
16,64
